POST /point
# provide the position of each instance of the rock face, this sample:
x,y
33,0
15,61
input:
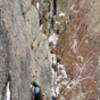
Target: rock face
x,y
18,28
23,50
53,42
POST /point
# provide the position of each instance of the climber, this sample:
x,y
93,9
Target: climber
x,y
36,91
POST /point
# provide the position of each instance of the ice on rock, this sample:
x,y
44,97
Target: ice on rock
x,y
54,59
62,70
8,92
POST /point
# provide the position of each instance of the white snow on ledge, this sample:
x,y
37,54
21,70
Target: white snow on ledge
x,y
8,92
53,38
61,79
62,71
59,76
57,22
61,14
58,80
37,5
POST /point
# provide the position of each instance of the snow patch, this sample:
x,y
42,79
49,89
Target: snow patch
x,y
62,70
61,14
8,91
57,22
41,27
59,78
37,5
53,59
54,74
58,89
53,38
53,92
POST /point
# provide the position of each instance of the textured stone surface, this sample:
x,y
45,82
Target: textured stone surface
x,y
41,66
66,64
19,31
23,50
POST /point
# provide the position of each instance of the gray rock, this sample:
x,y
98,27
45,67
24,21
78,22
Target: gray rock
x,y
42,70
19,31
15,48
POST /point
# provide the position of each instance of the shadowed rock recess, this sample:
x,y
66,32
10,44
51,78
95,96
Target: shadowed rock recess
x,y
53,42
